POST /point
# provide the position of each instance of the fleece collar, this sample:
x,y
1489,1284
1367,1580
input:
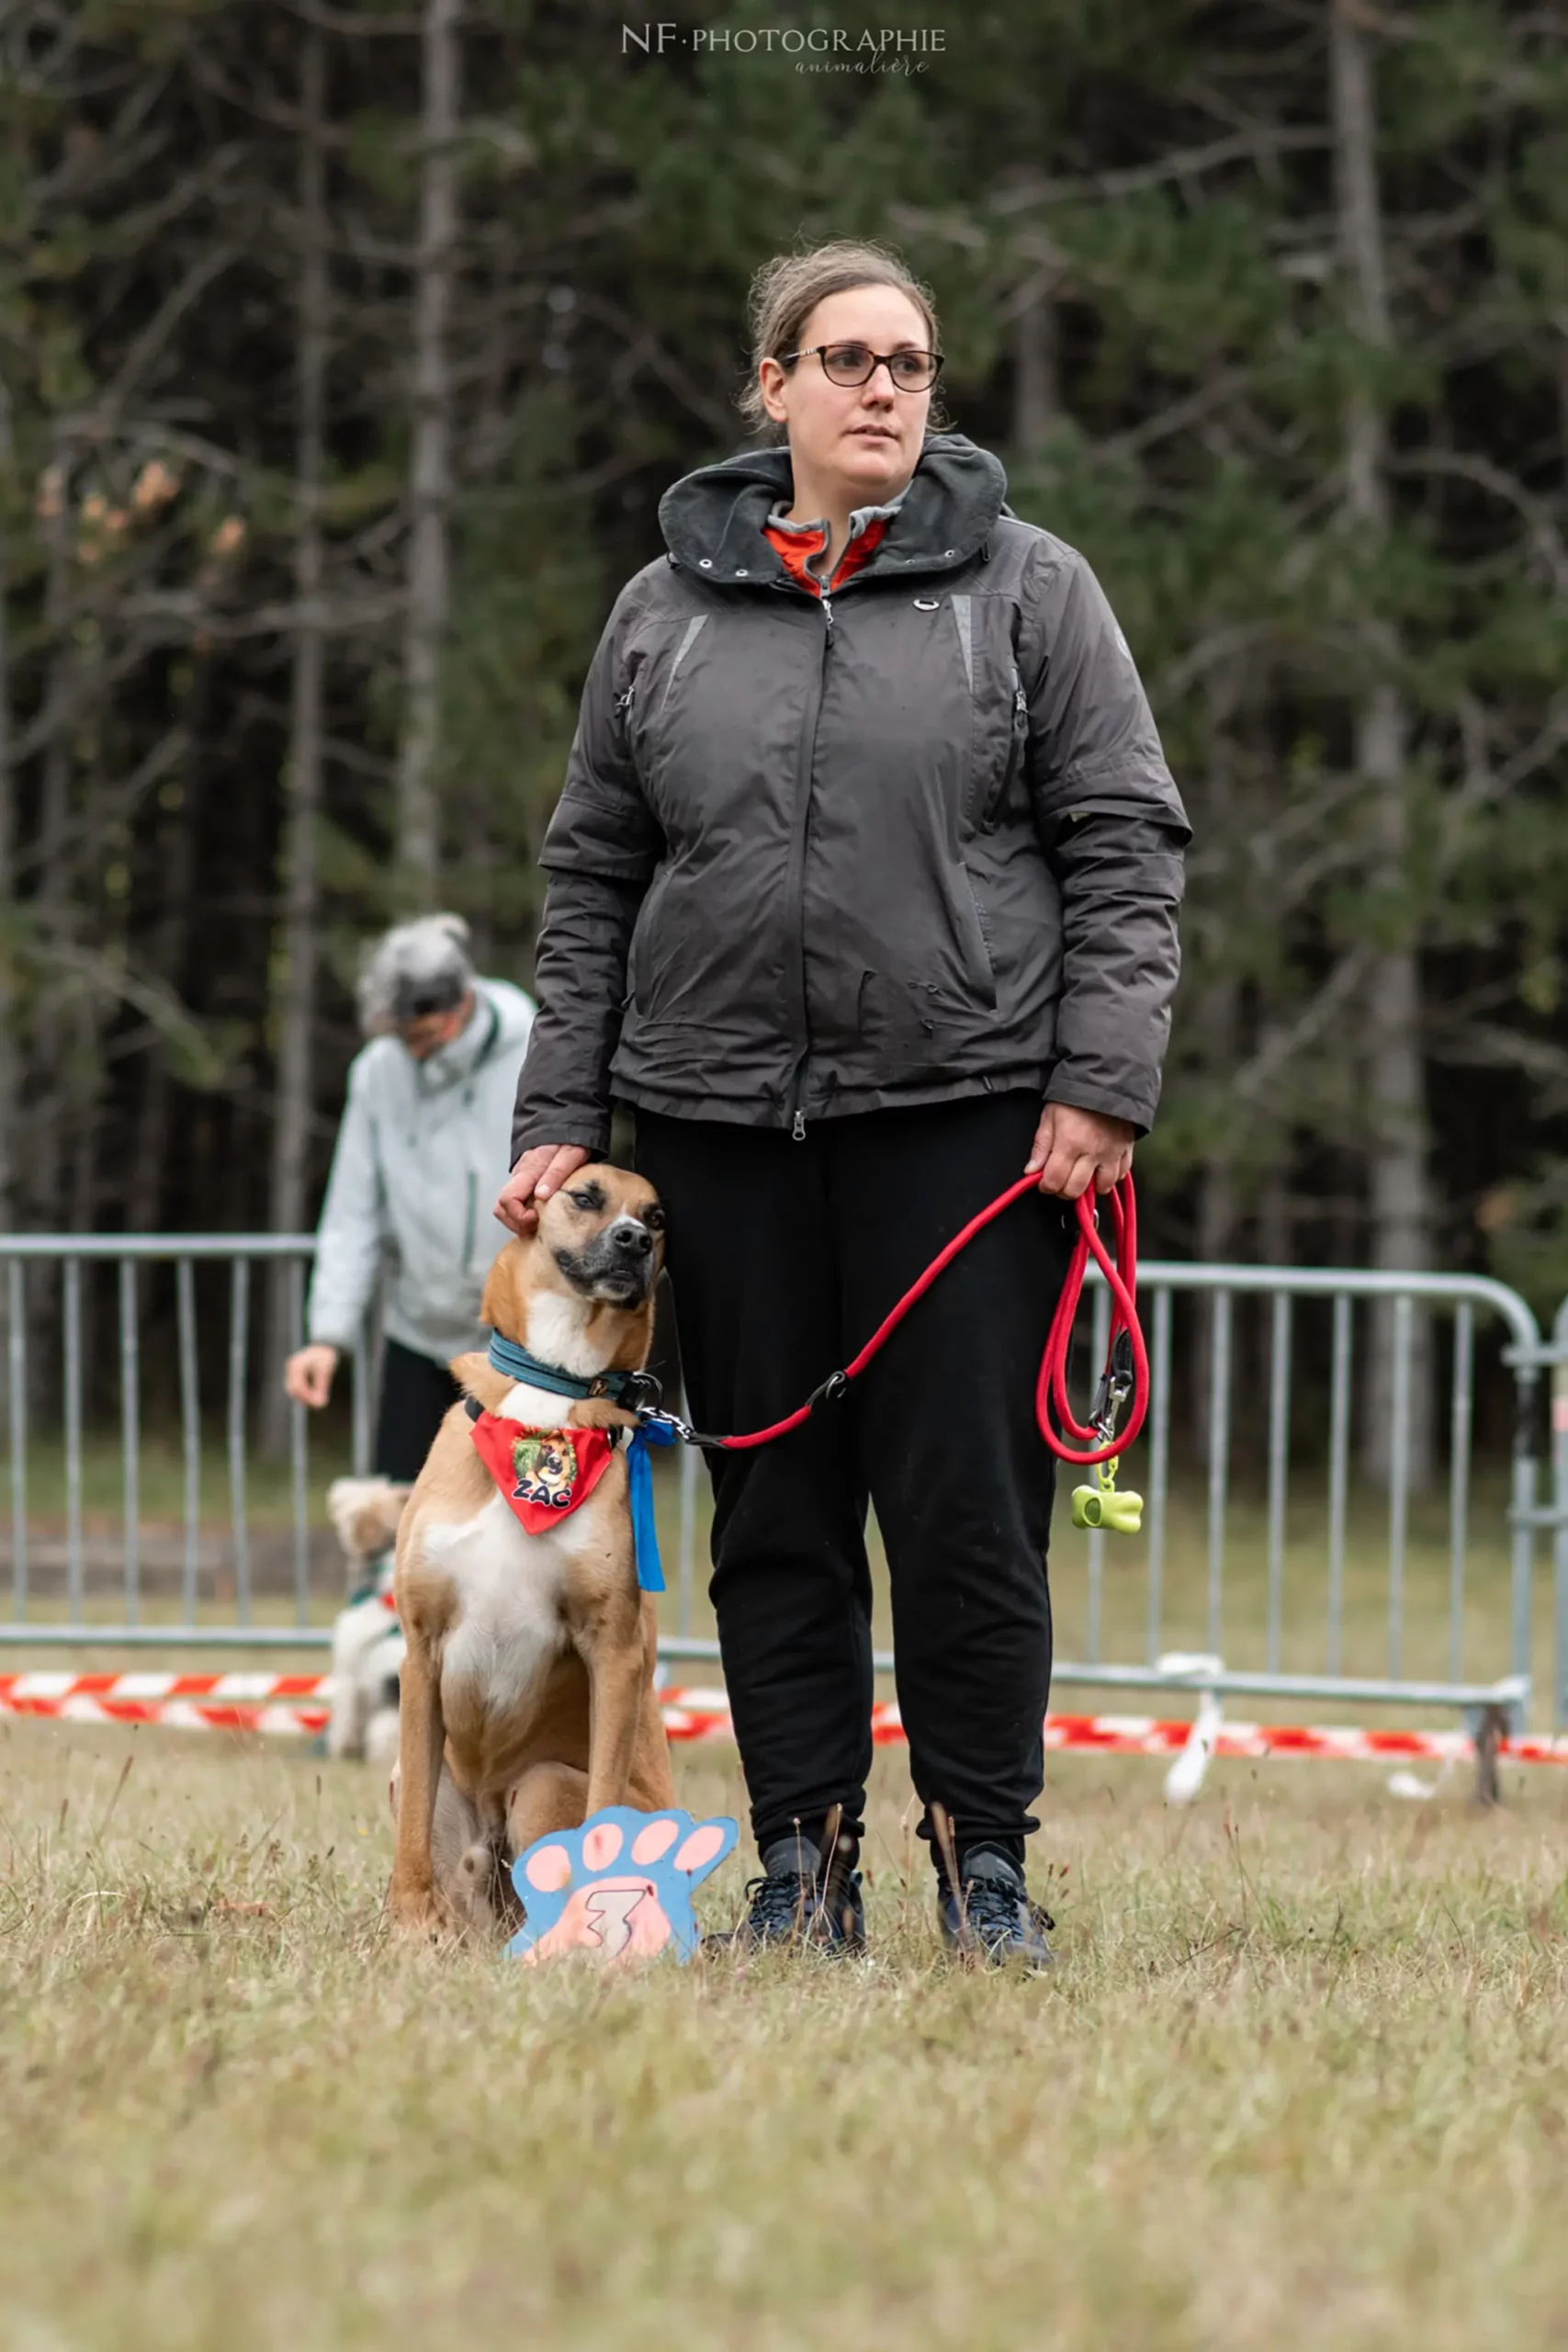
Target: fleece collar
x,y
455,1064
801,544
715,521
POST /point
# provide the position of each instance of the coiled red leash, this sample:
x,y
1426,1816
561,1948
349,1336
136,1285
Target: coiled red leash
x,y
1125,1376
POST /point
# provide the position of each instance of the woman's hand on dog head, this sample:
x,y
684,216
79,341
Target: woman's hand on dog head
x,y
539,1172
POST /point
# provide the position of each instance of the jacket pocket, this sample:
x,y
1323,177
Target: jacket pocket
x,y
987,943
642,947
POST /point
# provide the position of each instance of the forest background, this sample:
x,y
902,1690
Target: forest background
x,y
344,354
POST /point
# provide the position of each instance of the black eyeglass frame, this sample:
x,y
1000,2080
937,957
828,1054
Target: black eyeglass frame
x,y
878,359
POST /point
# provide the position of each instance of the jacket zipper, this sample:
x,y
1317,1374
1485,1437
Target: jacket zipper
x,y
470,1219
1017,743
808,761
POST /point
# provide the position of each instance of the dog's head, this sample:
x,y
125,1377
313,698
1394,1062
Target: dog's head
x,y
599,1239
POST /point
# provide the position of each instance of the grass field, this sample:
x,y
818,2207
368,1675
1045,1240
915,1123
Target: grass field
x,y
1300,2077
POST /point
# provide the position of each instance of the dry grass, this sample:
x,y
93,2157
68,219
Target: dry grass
x,y
1302,2077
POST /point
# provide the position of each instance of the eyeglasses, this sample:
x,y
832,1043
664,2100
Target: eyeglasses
x,y
854,363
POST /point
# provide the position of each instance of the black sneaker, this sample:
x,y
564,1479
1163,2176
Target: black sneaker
x,y
992,1919
799,1901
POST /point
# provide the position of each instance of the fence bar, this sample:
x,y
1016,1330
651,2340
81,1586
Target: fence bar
x,y
1355,1689
1399,1476
17,1354
1522,1545
74,1436
1160,1464
1302,1282
1278,1456
239,1343
130,1434
190,1431
1560,1495
690,1465
167,1637
1100,1341
360,1437
1338,1473
298,1451
1219,1455
1459,1418
1066,1672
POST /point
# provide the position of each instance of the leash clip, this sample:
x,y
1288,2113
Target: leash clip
x,y
1115,1387
832,1391
654,1416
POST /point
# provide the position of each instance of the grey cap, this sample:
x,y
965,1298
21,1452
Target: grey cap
x,y
416,969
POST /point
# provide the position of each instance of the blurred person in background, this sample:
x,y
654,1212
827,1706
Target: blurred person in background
x,y
422,1147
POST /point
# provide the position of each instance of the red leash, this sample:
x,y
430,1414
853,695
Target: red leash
x,y
1126,1370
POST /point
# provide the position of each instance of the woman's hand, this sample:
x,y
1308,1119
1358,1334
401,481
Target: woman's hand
x,y
307,1374
537,1175
1074,1150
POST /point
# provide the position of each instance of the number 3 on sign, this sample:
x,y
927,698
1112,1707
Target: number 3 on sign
x,y
619,1888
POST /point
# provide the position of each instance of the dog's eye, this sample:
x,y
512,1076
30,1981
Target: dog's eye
x,y
589,1198
654,1220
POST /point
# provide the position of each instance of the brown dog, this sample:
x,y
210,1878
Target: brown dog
x,y
527,1691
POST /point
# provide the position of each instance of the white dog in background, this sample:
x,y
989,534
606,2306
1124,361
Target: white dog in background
x,y
368,1641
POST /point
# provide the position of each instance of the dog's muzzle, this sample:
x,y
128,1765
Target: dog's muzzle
x,y
616,1267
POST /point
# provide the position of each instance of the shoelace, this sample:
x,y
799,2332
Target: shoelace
x,y
991,1912
782,1904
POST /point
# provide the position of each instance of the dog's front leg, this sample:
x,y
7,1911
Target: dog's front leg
x,y
412,1898
611,1648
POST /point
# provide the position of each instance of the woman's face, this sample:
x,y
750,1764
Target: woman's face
x,y
864,439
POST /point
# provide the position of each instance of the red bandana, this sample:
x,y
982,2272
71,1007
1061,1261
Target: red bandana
x,y
543,1473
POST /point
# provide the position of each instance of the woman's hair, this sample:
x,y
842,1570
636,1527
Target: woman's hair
x,y
416,969
786,290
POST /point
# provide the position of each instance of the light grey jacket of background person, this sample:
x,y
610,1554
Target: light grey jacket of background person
x,y
421,1155
814,857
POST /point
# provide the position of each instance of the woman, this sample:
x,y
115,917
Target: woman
x,y
863,888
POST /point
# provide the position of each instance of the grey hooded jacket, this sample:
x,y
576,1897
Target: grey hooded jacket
x,y
913,841
421,1155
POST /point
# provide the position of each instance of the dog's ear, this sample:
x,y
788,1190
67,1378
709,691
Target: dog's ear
x,y
502,1306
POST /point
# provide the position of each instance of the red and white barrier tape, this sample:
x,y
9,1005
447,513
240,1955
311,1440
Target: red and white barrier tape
x,y
294,1703
284,1704
240,1690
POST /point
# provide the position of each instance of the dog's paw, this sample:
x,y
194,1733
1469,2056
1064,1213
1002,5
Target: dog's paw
x,y
620,1887
419,1913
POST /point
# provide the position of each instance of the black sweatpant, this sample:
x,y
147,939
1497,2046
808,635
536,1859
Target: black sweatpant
x,y
417,1393
784,1256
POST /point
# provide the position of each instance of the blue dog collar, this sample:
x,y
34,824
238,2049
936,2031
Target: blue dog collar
x,y
628,1388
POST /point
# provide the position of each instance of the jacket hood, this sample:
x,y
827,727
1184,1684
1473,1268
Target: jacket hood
x,y
712,520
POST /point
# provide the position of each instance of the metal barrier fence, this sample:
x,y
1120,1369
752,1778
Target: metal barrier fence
x,y
207,1592
297,1611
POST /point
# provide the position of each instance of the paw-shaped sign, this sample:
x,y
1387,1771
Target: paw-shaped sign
x,y
620,1887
